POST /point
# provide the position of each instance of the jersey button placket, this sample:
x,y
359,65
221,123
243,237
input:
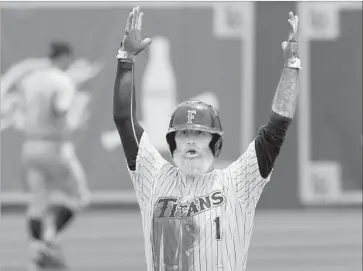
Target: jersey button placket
x,y
189,229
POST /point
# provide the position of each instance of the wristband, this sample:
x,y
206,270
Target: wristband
x,y
293,63
126,56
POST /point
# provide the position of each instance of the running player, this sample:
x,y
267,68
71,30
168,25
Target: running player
x,y
54,175
196,217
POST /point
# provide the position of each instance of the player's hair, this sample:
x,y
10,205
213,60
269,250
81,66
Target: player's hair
x,y
59,49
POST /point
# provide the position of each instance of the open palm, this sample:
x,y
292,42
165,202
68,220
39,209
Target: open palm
x,y
290,47
133,41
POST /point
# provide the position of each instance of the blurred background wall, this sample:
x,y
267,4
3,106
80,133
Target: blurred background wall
x,y
227,54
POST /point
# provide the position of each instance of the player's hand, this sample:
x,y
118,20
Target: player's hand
x,y
132,41
290,47
293,27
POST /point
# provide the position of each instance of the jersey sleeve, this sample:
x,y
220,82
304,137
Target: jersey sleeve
x,y
148,164
252,171
246,177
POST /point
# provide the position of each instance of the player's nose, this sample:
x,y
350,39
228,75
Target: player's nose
x,y
191,142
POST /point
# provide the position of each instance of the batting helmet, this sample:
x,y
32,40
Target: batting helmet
x,y
195,115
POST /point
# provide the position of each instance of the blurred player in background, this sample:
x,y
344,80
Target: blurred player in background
x,y
196,217
42,102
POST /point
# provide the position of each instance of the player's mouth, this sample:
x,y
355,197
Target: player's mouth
x,y
191,153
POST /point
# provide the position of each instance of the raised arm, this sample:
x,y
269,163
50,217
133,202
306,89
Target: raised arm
x,y
144,161
272,135
124,108
252,170
285,99
124,105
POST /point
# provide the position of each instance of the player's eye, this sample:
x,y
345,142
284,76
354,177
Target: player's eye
x,y
182,133
198,133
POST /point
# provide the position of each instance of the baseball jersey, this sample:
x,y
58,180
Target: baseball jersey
x,y
201,223
46,95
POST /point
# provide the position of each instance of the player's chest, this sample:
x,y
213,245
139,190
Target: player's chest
x,y
183,198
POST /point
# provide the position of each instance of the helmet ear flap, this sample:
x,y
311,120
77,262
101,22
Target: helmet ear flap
x,y
216,144
170,139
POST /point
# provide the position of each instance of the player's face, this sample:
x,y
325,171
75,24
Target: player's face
x,y
193,155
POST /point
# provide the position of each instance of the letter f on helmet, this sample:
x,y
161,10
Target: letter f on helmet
x,y
191,114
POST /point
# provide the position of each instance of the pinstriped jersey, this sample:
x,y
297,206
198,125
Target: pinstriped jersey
x,y
201,223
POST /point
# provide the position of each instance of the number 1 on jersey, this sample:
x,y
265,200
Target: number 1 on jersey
x,y
218,228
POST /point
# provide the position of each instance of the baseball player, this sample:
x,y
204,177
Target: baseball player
x,y
54,175
196,217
